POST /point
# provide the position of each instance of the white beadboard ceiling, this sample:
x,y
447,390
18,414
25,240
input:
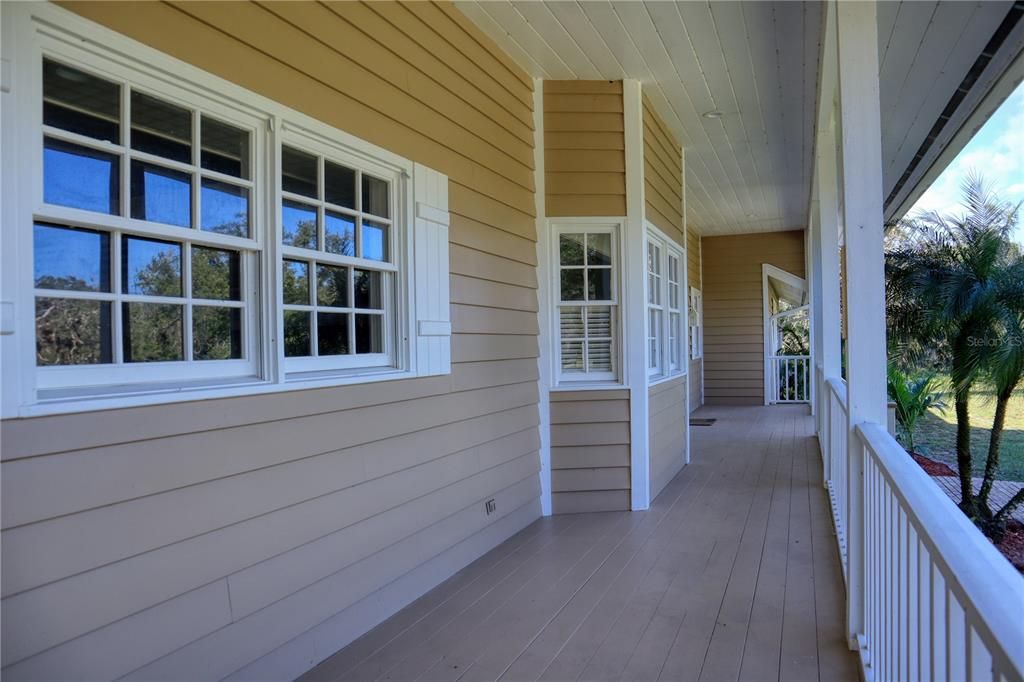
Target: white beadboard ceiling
x,y
757,63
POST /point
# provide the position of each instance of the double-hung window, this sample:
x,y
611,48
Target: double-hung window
x,y
164,236
655,309
146,243
587,302
664,311
338,267
674,260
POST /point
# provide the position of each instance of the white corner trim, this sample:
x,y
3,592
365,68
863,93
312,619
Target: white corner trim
x,y
544,352
634,298
685,286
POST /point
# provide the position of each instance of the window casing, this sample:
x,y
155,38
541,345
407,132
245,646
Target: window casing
x,y
145,239
674,260
586,310
664,312
339,263
655,309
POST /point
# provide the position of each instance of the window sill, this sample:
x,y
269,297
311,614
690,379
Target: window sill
x,y
662,378
95,399
589,386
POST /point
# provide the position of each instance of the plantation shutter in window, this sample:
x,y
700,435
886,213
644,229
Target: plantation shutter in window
x,y
432,345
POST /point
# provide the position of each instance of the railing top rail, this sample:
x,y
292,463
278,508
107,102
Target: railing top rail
x,y
990,590
790,357
838,387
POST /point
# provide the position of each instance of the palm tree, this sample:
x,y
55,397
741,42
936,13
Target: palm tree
x,y
954,284
914,396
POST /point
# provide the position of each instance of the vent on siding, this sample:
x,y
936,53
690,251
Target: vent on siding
x,y
973,74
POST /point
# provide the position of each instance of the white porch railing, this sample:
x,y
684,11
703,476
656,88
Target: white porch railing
x,y
789,379
835,444
937,600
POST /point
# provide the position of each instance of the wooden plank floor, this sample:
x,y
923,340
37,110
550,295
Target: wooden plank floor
x,y
732,574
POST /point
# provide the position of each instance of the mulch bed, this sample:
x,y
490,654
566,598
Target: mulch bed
x,y
931,467
1012,546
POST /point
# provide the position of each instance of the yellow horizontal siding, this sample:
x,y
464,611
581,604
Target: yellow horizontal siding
x,y
666,429
590,450
210,533
584,158
733,310
663,175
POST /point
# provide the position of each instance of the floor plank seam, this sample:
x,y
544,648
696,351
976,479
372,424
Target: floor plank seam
x,y
698,587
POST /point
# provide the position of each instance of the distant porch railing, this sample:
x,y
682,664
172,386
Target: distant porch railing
x,y
928,595
789,379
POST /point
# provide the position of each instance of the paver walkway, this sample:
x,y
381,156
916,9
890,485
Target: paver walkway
x,y
1001,493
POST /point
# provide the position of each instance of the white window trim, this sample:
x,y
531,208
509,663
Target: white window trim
x,y
674,336
593,380
60,380
663,369
393,302
422,340
656,355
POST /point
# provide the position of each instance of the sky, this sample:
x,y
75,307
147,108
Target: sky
x,y
997,152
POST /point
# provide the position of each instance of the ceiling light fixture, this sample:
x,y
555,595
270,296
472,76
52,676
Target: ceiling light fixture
x,y
712,114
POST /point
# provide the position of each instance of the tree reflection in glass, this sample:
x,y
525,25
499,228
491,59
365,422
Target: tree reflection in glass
x,y
298,225
72,332
152,332
150,267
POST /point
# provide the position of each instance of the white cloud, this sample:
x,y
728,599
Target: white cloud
x,y
996,152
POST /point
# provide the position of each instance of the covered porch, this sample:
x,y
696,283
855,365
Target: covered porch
x,y
588,192
731,574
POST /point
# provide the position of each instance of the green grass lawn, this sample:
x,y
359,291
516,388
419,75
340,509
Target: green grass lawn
x,y
936,435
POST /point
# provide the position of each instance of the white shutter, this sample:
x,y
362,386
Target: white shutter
x,y
432,348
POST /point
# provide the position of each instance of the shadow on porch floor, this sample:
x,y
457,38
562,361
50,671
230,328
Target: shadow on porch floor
x,y
732,574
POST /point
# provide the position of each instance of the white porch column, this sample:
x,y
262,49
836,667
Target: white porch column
x,y
827,222
828,247
857,33
812,265
634,296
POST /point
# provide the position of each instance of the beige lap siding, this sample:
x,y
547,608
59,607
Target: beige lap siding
x,y
663,176
693,264
192,540
666,431
590,451
733,312
584,143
